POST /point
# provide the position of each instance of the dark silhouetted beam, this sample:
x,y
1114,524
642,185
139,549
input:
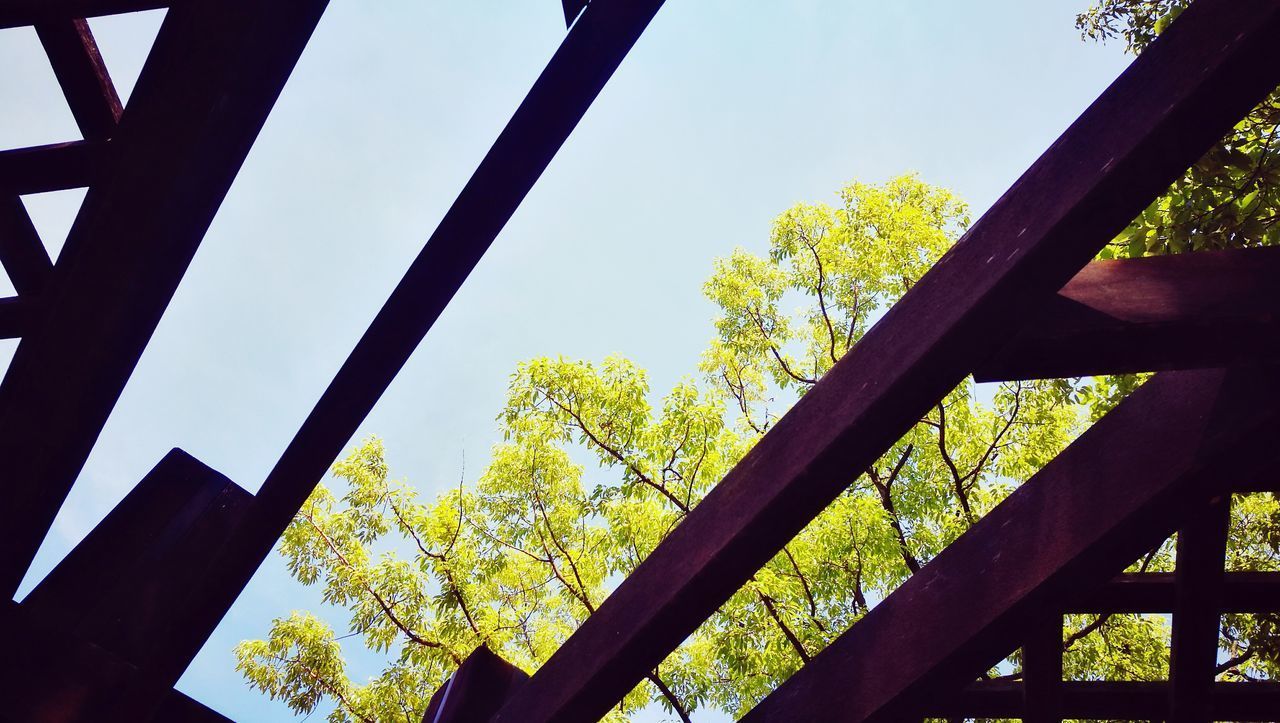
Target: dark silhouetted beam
x,y
1118,490
1154,593
1112,700
15,317
1042,671
85,82
215,70
15,13
124,586
1177,99
1189,311
22,254
573,78
1197,611
475,690
50,675
55,167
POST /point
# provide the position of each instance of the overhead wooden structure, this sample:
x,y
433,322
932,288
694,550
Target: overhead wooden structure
x,y
113,626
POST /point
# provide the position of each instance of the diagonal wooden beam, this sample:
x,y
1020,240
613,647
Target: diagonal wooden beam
x,y
123,587
76,62
214,73
22,254
53,167
1178,98
1161,313
1118,490
16,13
576,74
50,675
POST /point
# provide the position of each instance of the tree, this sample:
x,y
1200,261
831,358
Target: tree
x,y
517,559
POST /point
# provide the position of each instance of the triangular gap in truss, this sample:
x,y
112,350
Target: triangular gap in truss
x,y
124,41
52,214
6,285
35,111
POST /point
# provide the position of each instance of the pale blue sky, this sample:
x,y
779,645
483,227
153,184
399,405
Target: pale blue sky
x,y
725,113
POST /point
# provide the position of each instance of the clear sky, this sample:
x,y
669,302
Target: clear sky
x,y
725,113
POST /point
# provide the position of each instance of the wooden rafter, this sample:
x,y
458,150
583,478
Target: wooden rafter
x,y
22,254
16,13
53,167
1213,308
78,66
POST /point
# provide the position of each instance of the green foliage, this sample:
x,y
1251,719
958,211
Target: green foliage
x,y
1231,197
519,558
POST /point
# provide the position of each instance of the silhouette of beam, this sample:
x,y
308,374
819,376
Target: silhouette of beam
x,y
16,13
85,82
1189,311
53,167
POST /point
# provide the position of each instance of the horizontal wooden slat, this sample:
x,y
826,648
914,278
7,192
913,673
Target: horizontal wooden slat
x,y
1153,593
15,13
1189,311
53,167
1112,700
1178,98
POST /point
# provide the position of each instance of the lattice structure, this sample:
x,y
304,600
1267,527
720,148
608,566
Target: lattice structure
x,y
109,631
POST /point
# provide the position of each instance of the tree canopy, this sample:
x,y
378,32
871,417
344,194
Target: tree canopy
x,y
595,469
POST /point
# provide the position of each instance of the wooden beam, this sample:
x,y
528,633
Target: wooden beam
x,y
576,74
213,74
1241,592
1178,98
15,317
1197,611
1042,671
1189,311
475,690
123,587
22,254
52,676
53,167
76,62
16,13
1117,491
1111,700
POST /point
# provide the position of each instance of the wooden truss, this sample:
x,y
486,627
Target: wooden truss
x,y
109,631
